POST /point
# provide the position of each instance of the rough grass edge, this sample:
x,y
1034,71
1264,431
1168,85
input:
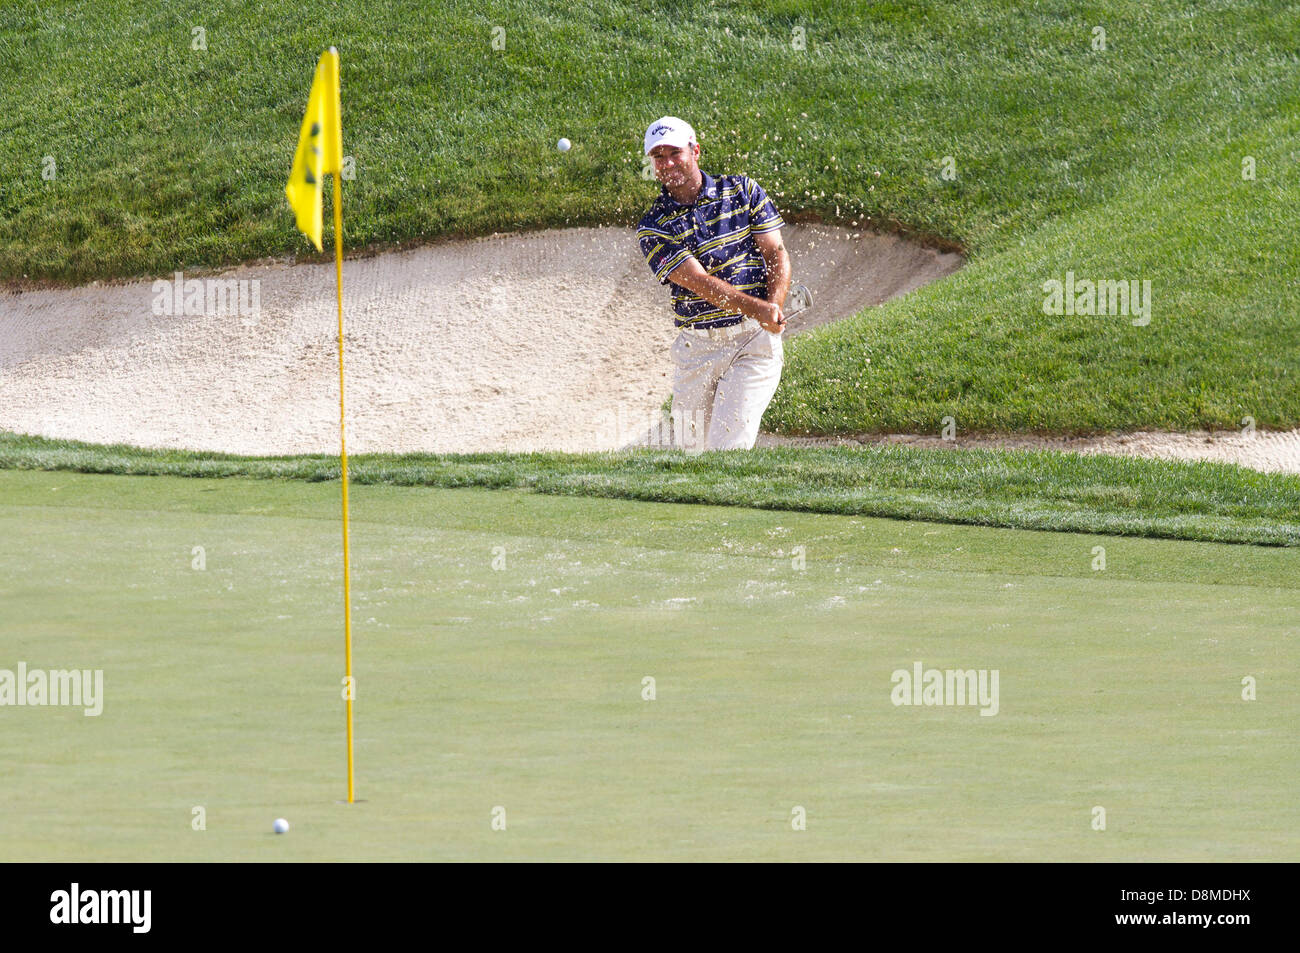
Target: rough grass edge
x,y
1013,489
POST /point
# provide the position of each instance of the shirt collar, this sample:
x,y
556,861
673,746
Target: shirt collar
x,y
708,191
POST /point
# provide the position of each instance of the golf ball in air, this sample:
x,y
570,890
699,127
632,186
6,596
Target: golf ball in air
x,y
563,145
281,825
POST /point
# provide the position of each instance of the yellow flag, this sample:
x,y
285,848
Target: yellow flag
x,y
320,148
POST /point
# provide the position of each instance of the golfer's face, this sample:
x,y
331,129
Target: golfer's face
x,y
673,164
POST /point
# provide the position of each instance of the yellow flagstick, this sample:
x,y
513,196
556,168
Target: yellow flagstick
x,y
343,454
343,445
319,153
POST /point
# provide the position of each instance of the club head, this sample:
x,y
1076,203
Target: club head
x,y
798,299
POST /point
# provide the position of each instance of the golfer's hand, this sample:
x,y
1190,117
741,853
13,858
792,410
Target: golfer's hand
x,y
773,319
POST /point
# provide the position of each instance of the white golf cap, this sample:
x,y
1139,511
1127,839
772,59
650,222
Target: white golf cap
x,y
669,131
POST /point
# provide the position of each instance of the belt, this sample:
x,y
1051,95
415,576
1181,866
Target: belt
x,y
723,334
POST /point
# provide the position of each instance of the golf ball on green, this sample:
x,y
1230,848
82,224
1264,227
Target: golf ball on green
x,y
563,145
281,826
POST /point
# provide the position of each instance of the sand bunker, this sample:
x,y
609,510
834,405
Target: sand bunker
x,y
1274,451
543,341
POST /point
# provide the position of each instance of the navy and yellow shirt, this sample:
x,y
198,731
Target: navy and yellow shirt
x,y
718,229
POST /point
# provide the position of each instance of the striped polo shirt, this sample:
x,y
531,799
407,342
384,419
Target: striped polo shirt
x,y
719,230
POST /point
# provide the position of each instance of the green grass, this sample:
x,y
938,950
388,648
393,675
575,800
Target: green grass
x,y
1115,165
1027,490
520,686
1221,344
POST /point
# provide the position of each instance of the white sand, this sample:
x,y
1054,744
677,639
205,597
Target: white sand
x,y
1277,451
543,341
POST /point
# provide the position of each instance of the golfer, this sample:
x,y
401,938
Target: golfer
x,y
716,242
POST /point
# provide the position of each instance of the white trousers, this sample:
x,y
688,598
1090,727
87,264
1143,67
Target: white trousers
x,y
722,387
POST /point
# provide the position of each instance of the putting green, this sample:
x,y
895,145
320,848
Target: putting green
x,y
519,685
